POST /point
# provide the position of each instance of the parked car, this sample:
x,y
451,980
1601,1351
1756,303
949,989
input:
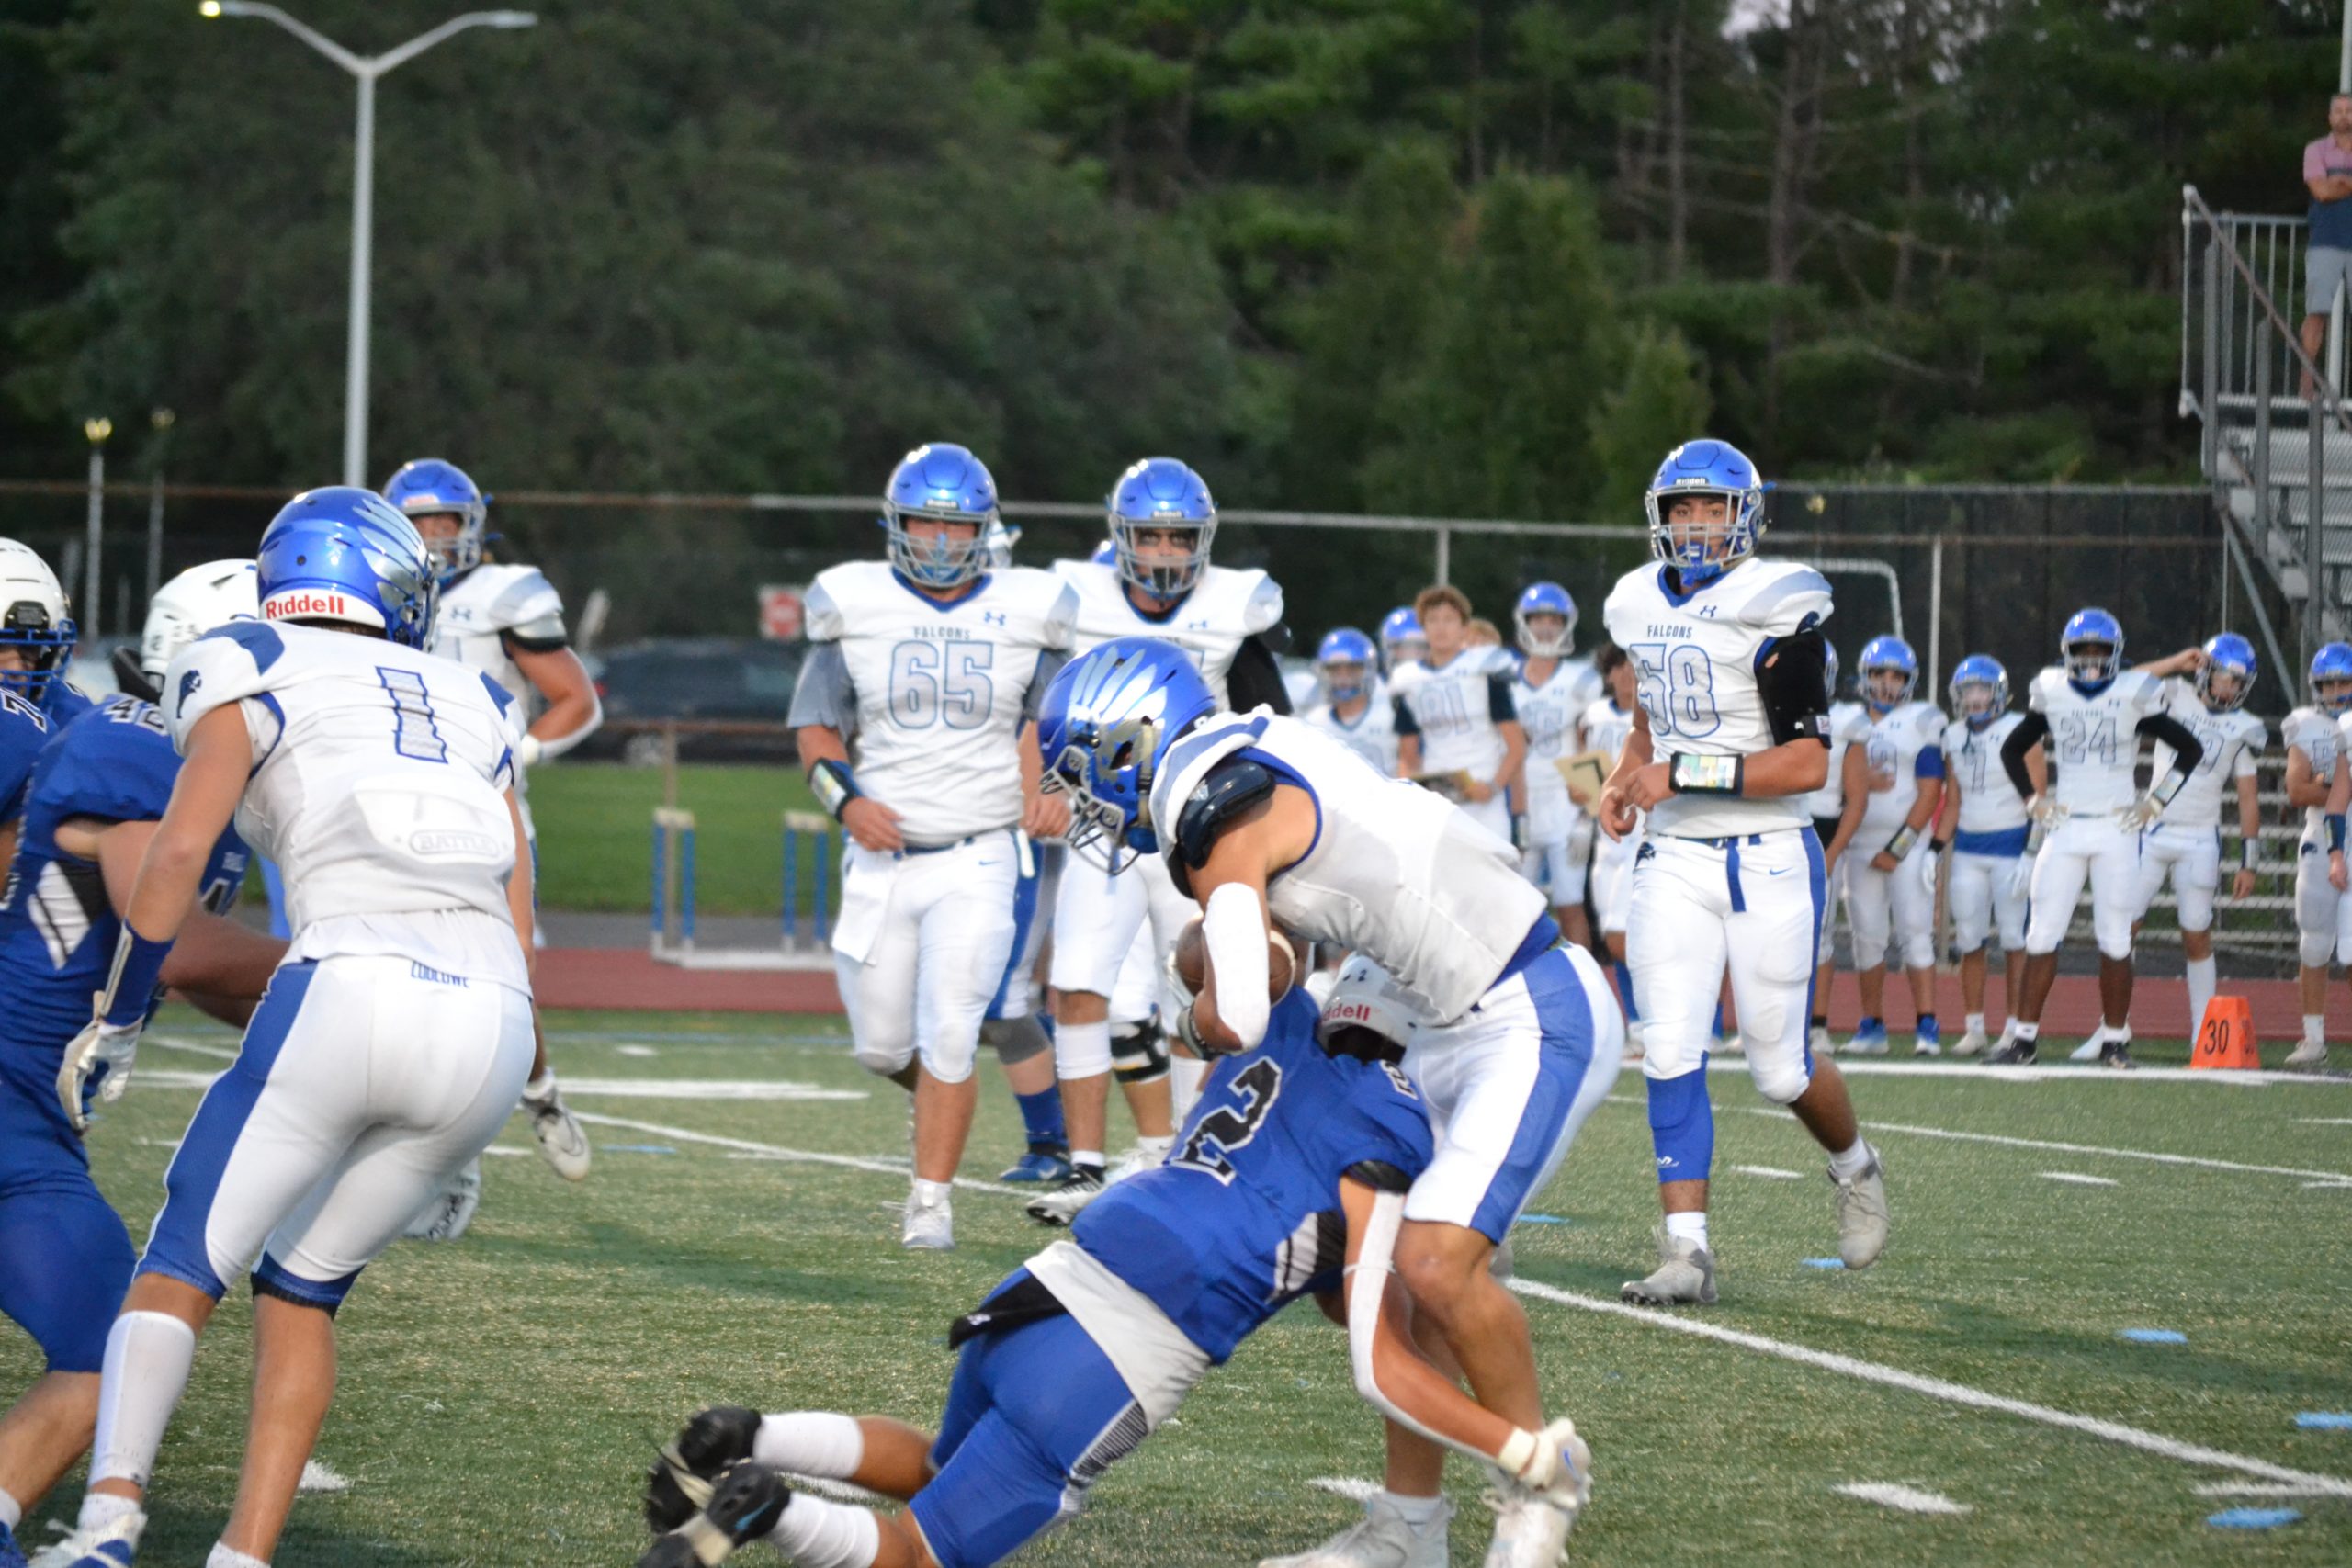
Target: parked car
x,y
742,683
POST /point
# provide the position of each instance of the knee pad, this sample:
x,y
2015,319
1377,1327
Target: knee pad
x,y
2315,948
1682,1126
2112,932
1015,1040
950,1061
883,1060
1920,950
1139,1053
1781,1076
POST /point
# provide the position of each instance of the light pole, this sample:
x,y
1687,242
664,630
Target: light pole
x,y
364,68
97,431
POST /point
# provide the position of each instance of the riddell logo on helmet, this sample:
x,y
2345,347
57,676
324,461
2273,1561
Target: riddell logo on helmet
x,y
296,602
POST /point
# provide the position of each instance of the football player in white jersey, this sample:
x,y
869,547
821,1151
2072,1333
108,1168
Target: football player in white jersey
x,y
395,1038
1456,730
1355,710
1402,642
1274,827
507,622
1837,811
2319,779
923,672
1892,884
1552,693
1985,820
2093,713
1729,742
2185,843
1104,968
1604,726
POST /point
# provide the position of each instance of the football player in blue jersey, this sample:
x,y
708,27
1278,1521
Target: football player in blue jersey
x,y
1287,1179
37,636
94,798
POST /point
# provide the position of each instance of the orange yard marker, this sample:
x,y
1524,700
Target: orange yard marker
x,y
2225,1036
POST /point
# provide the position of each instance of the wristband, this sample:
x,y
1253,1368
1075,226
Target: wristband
x,y
2246,847
1900,845
1936,846
1693,774
2165,788
834,784
528,750
131,985
2334,830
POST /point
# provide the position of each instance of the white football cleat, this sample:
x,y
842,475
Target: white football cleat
x,y
1381,1539
1060,1205
1685,1275
113,1545
2309,1053
1135,1161
563,1143
928,1227
2089,1049
1817,1041
1530,1530
1863,1221
1969,1043
448,1212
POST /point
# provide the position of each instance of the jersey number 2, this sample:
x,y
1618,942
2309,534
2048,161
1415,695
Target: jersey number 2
x,y
414,734
1228,1127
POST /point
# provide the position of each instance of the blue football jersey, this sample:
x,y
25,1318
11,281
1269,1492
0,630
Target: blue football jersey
x,y
1245,1216
57,928
24,731
63,703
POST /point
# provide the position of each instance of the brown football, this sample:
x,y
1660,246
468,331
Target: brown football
x,y
1193,962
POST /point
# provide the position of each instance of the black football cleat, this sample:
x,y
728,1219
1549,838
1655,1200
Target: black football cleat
x,y
2016,1054
680,1483
2115,1054
745,1506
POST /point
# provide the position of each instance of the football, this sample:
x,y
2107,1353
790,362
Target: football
x,y
1193,962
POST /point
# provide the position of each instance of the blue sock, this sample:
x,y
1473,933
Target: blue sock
x,y
1719,1020
1041,1116
1625,991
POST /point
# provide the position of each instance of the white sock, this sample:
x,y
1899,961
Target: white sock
x,y
227,1556
541,1089
1156,1147
817,1532
147,1358
2314,1029
931,1194
2026,1031
1092,1158
12,1513
1690,1226
1184,1077
1418,1512
810,1442
1975,1024
100,1509
1847,1163
2201,980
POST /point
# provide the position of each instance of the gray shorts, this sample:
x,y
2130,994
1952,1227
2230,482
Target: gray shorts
x,y
2324,268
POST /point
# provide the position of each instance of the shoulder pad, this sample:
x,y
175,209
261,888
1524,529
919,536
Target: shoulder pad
x,y
528,605
2257,734
1380,1176
1790,599
1232,786
821,617
225,665
1061,621
2045,686
1263,609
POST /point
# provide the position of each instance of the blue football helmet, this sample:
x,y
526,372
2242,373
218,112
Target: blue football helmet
x,y
2091,628
1888,656
1830,669
2232,656
944,482
1160,493
1106,723
340,553
1979,690
1401,638
428,487
1338,649
2331,666
1715,468
36,619
1547,598
1106,553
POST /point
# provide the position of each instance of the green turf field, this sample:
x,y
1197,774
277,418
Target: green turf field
x,y
500,1395
600,815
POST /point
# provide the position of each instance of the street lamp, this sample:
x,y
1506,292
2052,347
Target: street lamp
x,y
95,431
362,185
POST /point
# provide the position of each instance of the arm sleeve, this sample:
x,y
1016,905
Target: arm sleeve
x,y
824,694
1049,664
1792,679
2187,749
1500,707
1255,679
1406,724
2023,739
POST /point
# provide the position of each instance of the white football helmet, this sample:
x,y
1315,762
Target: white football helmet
x,y
36,619
1364,998
196,601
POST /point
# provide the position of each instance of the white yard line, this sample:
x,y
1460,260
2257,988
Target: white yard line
x,y
1347,1486
1772,1172
1864,1066
771,1151
705,1088
2259,1489
1949,1392
2076,1178
1894,1495
180,1042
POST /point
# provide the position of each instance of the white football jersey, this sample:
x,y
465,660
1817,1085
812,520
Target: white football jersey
x,y
2231,740
1397,872
1452,709
1989,802
1549,714
2094,740
379,787
1896,740
474,615
938,691
1605,727
1849,724
1697,656
1227,606
2319,738
1371,735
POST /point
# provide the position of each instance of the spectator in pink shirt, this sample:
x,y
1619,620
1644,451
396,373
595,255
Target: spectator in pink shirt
x,y
2327,265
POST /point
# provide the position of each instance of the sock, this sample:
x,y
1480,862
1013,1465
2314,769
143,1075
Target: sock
x,y
12,1513
1821,1020
1418,1512
2314,1029
1625,989
811,1442
1041,1117
100,1509
930,1194
1087,1159
1184,1077
1156,1147
1847,1163
1691,1226
817,1532
541,1088
147,1363
2027,1030
1975,1024
1928,1025
226,1556
2201,980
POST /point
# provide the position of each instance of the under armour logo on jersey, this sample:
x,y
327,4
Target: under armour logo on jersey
x,y
992,617
1707,612
189,681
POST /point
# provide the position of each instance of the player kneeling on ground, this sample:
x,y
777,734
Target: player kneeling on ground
x,y
1288,1178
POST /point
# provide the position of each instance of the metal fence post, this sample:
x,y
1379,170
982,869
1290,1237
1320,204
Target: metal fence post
x,y
2315,532
2262,453
1445,555
1936,617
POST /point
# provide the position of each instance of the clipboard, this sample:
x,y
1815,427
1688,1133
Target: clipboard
x,y
1454,783
1584,774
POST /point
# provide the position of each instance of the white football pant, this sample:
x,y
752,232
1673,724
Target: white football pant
x,y
2191,858
2095,849
1880,903
920,949
1983,904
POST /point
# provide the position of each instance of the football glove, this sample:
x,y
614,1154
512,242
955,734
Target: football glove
x,y
96,1068
2139,813
2046,811
1930,867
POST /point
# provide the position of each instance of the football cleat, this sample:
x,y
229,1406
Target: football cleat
x,y
11,1554
680,1483
1817,1041
1530,1530
744,1506
1046,1165
1061,1205
2116,1051
1381,1539
563,1143
447,1214
1861,1213
1973,1042
1147,1154
1732,1045
2309,1053
1685,1275
113,1545
928,1227
1869,1039
1929,1041
2019,1052
2090,1050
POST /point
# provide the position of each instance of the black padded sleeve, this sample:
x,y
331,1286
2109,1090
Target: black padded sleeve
x,y
2024,739
1792,683
1406,723
516,642
1380,1176
1256,680
2187,750
1499,706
